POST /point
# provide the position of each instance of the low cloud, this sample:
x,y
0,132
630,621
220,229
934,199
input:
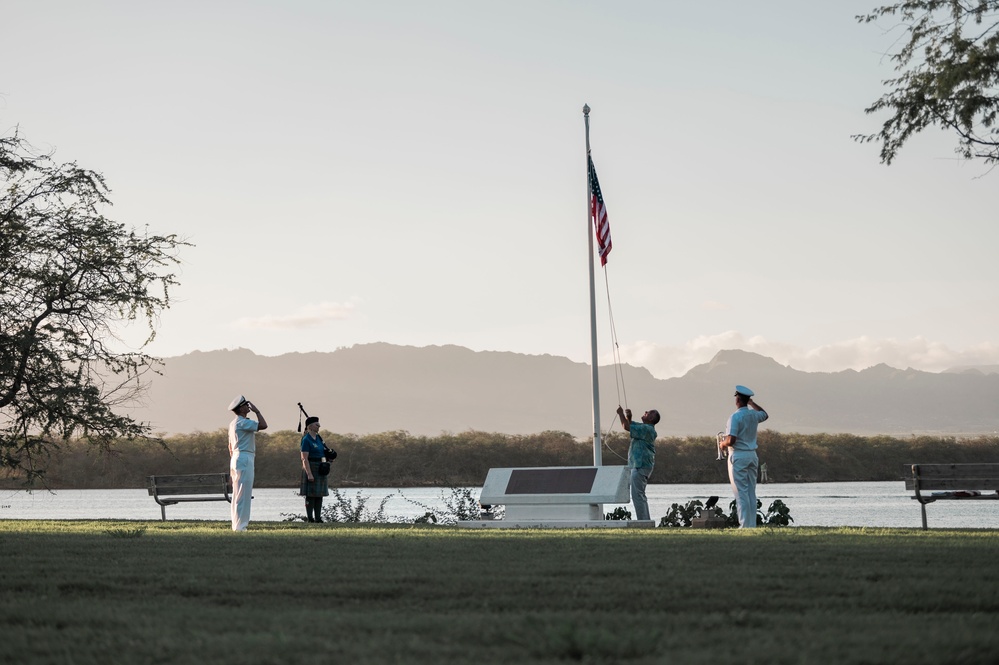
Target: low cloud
x,y
918,353
714,306
309,316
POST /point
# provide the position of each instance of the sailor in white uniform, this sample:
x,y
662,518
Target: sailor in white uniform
x,y
242,448
743,462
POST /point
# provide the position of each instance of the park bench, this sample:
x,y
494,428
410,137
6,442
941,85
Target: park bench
x,y
171,490
951,481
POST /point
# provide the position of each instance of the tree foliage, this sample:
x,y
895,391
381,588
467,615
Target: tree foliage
x,y
70,278
398,459
948,65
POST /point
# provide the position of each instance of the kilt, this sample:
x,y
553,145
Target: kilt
x,y
317,487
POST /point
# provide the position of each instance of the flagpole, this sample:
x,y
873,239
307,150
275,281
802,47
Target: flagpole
x,y
594,378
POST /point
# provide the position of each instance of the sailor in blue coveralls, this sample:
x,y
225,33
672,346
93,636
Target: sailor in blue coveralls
x,y
641,456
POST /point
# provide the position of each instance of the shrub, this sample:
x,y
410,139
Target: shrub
x,y
620,513
346,511
460,505
778,514
678,515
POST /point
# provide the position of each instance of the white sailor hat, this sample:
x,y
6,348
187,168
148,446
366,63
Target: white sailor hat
x,y
236,403
743,390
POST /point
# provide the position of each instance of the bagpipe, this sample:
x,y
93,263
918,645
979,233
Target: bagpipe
x,y
328,453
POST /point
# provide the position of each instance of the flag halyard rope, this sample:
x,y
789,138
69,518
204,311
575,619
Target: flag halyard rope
x,y
618,372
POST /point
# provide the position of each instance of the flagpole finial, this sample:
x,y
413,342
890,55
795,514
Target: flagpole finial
x,y
586,109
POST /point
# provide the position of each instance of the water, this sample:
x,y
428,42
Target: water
x,y
869,504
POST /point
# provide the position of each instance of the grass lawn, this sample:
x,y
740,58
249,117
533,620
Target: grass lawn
x,y
101,592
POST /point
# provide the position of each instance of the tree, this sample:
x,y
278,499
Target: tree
x,y
948,68
70,279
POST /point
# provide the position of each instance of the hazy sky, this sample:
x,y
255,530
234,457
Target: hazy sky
x,y
414,173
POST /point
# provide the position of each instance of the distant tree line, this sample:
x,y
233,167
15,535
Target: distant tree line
x,y
400,459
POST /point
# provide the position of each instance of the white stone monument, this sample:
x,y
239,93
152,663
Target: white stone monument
x,y
556,496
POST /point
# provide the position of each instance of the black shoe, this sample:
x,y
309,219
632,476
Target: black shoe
x,y
319,519
310,520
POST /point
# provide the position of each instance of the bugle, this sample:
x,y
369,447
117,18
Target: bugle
x,y
722,453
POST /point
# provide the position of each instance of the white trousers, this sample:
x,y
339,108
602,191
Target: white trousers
x,y
742,468
241,470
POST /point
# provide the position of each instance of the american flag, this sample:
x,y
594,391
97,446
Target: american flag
x,y
598,212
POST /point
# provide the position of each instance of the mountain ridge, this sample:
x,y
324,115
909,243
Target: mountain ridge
x,y
380,387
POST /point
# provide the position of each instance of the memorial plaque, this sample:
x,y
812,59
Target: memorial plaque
x,y
551,481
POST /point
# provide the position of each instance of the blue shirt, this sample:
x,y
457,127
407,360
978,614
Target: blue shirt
x,y
314,447
742,425
642,452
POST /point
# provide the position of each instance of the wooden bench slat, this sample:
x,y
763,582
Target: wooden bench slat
x,y
956,470
187,489
189,479
990,484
